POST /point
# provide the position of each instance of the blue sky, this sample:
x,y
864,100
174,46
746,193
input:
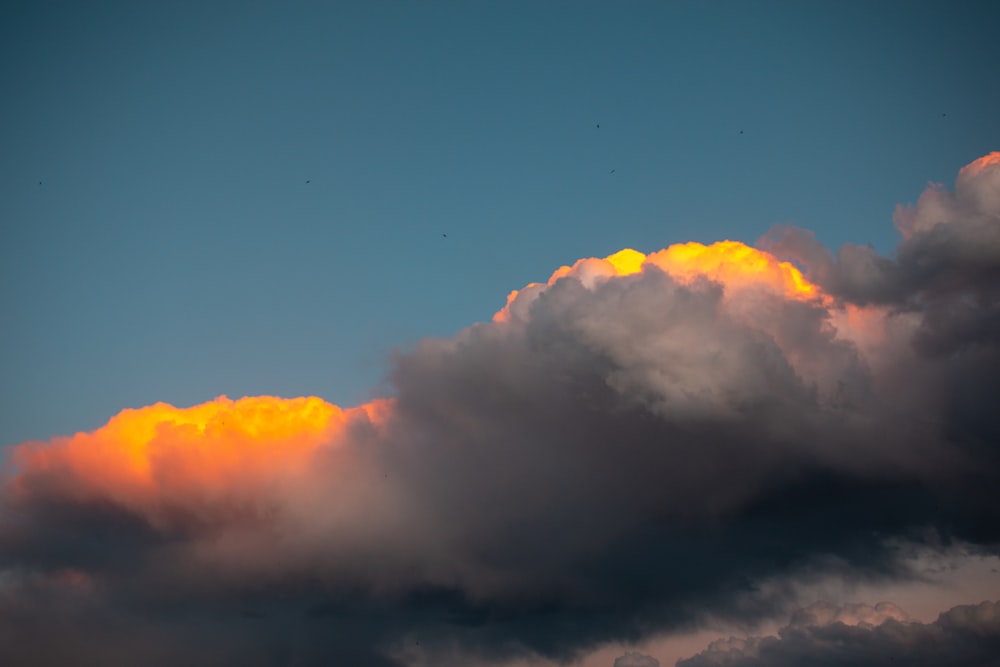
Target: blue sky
x,y
249,198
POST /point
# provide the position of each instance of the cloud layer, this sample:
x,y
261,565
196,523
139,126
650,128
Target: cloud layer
x,y
636,443
860,635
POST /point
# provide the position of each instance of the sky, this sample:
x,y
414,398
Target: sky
x,y
210,210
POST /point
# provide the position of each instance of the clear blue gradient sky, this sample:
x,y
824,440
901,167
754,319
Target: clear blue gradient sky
x,y
199,198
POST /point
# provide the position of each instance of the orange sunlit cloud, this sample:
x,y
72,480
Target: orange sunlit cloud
x,y
980,164
734,264
150,455
145,456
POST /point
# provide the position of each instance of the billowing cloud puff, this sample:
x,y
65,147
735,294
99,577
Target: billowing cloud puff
x,y
637,442
823,613
860,635
633,659
949,247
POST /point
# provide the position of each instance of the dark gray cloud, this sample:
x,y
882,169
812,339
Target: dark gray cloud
x,y
859,636
948,252
620,455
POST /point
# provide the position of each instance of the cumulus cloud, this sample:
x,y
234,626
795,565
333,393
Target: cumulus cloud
x,y
637,442
950,244
861,635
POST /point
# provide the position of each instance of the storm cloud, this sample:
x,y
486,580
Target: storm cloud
x,y
636,443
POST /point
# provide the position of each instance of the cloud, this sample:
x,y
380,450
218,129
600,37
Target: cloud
x,y
638,442
633,659
860,635
950,243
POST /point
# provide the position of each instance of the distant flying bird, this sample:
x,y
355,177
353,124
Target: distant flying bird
x,y
612,171
444,236
308,181
741,131
943,115
598,126
39,182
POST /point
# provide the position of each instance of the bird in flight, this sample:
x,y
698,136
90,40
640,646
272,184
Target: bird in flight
x,y
39,182
741,131
444,236
598,126
612,171
308,181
